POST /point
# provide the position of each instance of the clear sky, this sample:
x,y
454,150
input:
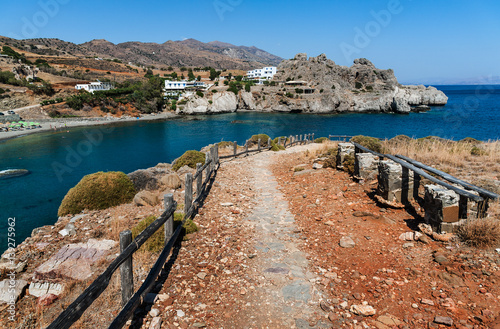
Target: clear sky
x,y
422,40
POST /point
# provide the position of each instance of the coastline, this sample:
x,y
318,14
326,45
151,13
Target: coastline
x,y
68,123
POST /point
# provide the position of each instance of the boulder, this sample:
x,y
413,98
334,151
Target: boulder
x,y
171,181
143,179
47,299
363,310
10,291
222,102
145,198
74,261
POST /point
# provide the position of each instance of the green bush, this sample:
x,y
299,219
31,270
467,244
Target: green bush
x,y
470,140
190,159
358,85
255,139
157,241
199,93
371,143
320,140
100,190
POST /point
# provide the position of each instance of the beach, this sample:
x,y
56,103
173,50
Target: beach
x,y
59,124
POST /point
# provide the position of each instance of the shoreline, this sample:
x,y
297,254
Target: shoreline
x,y
68,123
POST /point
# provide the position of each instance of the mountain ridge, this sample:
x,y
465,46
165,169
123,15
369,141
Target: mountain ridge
x,y
188,52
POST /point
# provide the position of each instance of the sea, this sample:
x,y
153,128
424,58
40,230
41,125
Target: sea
x,y
58,160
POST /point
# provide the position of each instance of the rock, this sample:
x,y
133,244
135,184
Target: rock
x,y
363,310
171,181
440,259
145,198
39,289
362,214
347,242
47,299
427,302
389,320
155,323
199,324
68,230
11,291
408,245
410,236
226,204
74,261
9,173
144,179
317,165
180,313
447,321
154,312
201,275
224,101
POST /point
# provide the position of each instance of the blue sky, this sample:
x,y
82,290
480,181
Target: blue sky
x,y
423,41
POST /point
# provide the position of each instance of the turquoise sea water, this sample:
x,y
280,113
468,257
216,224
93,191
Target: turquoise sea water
x,y
58,160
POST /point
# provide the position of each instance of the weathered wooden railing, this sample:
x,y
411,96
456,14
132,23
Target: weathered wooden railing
x,y
339,137
128,247
284,141
419,170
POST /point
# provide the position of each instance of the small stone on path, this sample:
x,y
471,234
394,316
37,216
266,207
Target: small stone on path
x,y
347,242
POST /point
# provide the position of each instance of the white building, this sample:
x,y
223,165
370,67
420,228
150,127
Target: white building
x,y
174,88
267,73
94,86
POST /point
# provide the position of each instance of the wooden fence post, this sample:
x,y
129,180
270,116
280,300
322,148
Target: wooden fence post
x,y
188,193
269,142
246,147
216,155
258,145
235,148
296,138
312,138
168,200
126,272
207,169
300,139
199,180
279,141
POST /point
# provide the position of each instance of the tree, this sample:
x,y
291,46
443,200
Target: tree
x,y
170,68
198,78
174,75
213,74
191,75
183,69
238,77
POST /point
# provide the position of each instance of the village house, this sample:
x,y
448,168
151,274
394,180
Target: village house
x,y
267,73
177,88
94,86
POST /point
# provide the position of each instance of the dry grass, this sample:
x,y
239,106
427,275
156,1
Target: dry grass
x,y
481,232
470,160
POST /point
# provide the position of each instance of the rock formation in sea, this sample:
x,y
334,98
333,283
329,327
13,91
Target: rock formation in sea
x,y
318,85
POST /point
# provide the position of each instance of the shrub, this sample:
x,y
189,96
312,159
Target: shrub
x,y
224,144
297,169
371,143
481,232
199,93
255,139
299,91
476,151
358,85
98,191
157,241
320,140
369,88
348,163
190,159
470,140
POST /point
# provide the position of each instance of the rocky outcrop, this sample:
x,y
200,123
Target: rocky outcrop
x,y
318,85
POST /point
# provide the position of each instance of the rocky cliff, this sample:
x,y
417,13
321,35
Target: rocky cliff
x,y
318,85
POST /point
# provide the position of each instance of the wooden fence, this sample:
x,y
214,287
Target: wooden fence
x,y
420,170
128,247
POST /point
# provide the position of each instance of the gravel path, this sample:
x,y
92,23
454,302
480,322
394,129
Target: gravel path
x,y
287,298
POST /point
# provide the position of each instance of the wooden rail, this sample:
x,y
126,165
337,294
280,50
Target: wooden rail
x,y
128,246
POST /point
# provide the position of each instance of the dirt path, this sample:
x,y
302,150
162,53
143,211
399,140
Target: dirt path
x,y
287,298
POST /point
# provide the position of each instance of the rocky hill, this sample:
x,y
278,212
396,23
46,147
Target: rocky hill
x,y
319,85
188,52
